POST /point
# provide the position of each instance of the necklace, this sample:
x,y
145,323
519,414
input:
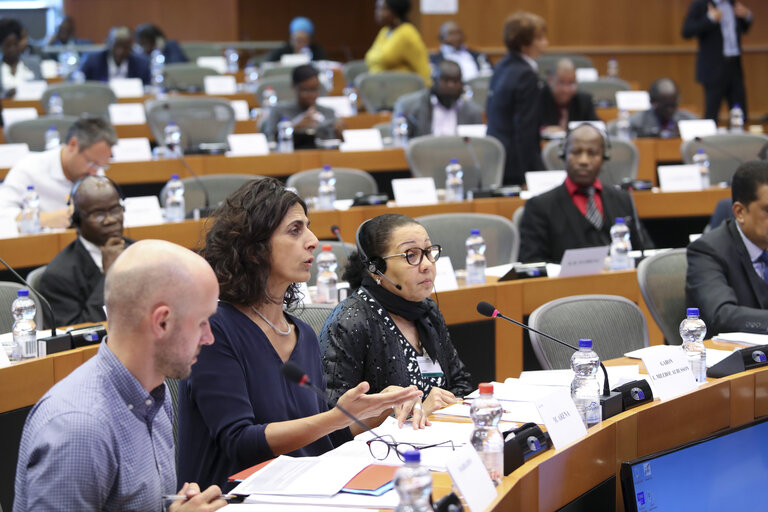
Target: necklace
x,y
273,326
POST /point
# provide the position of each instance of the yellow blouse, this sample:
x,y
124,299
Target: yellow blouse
x,y
400,49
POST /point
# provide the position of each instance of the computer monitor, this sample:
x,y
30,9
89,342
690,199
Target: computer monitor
x,y
726,471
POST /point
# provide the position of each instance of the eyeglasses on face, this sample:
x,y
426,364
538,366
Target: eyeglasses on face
x,y
99,215
380,447
415,255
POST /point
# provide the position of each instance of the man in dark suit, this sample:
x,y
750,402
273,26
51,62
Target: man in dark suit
x,y
562,102
118,60
439,110
74,280
579,213
151,38
513,109
719,24
452,47
728,267
662,118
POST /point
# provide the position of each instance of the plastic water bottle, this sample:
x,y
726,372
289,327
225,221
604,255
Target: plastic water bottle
x,y
326,276
585,388
613,68
52,138
156,69
622,125
55,105
172,134
175,209
251,77
620,246
484,66
486,437
30,212
268,99
454,181
24,329
399,130
737,119
350,93
285,135
702,160
475,258
69,60
232,58
326,192
413,483
692,331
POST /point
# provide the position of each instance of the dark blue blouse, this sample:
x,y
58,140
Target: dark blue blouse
x,y
234,391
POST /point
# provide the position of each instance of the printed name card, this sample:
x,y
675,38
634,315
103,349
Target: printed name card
x,y
414,191
220,84
669,373
633,100
679,178
49,69
219,64
242,112
340,105
587,75
242,144
561,418
471,478
31,90
445,278
13,115
12,153
142,211
127,113
127,87
294,59
472,130
583,262
692,128
132,149
362,140
538,182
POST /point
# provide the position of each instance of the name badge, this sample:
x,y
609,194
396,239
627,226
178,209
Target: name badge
x,y
428,367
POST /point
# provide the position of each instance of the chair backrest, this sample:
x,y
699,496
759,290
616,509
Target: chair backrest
x,y
8,293
282,86
479,86
34,276
548,62
604,90
615,324
276,70
662,282
201,119
314,314
348,182
184,76
353,69
339,250
379,91
193,50
517,217
429,154
451,231
736,148
91,98
385,129
218,187
622,165
32,131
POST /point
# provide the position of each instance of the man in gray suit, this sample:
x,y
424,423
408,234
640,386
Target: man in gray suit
x,y
438,111
661,120
15,68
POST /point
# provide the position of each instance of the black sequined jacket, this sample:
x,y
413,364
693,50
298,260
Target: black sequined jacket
x,y
360,341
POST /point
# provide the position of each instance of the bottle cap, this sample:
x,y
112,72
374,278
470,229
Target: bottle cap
x,y
620,220
30,187
454,160
174,176
700,151
585,343
284,118
692,312
475,232
412,456
326,167
485,388
171,123
23,293
52,127
326,247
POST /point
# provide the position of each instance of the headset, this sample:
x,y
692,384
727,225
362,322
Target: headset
x,y
76,217
375,265
562,151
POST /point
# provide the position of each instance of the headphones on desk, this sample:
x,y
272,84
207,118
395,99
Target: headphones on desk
x,y
77,217
562,151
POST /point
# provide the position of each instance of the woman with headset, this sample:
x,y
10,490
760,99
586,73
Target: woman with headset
x,y
389,332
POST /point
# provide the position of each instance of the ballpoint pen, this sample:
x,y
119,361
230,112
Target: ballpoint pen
x,y
174,497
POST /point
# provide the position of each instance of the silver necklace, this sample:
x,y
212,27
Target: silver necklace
x,y
273,326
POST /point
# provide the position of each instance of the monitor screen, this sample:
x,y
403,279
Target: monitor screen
x,y
726,471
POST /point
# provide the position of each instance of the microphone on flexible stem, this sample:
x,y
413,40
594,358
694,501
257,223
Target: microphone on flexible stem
x,y
377,271
337,232
636,219
42,299
475,161
611,401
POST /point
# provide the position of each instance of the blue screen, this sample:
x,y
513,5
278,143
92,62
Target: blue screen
x,y
728,472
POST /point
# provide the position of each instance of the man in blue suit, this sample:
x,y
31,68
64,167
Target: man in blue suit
x,y
151,38
118,60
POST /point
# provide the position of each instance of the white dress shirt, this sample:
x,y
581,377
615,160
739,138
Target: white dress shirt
x,y
44,172
463,58
116,71
754,252
444,120
13,81
93,251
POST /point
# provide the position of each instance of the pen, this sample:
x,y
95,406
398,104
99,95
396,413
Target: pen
x,y
174,497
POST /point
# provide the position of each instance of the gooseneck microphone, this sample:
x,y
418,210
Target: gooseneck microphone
x,y
611,401
337,233
377,271
43,300
475,161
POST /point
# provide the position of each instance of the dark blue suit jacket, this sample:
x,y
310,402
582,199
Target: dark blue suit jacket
x,y
96,68
173,53
514,117
709,60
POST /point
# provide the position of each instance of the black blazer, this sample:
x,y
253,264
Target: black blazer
x,y
552,224
96,68
723,284
581,108
514,116
709,60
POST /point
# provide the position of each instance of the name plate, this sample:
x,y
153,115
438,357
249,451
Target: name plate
x,y
669,373
445,278
294,59
692,128
218,64
242,144
583,262
472,130
679,178
633,100
12,153
220,84
471,478
32,90
561,417
49,69
242,112
132,149
127,113
13,115
142,211
362,140
587,75
414,191
127,87
340,105
538,182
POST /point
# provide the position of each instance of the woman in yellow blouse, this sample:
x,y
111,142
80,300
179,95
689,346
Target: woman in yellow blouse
x,y
399,46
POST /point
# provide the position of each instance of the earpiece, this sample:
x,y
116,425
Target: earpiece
x,y
375,265
562,151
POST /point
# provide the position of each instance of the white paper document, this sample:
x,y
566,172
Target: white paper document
x,y
340,501
743,338
303,476
513,412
